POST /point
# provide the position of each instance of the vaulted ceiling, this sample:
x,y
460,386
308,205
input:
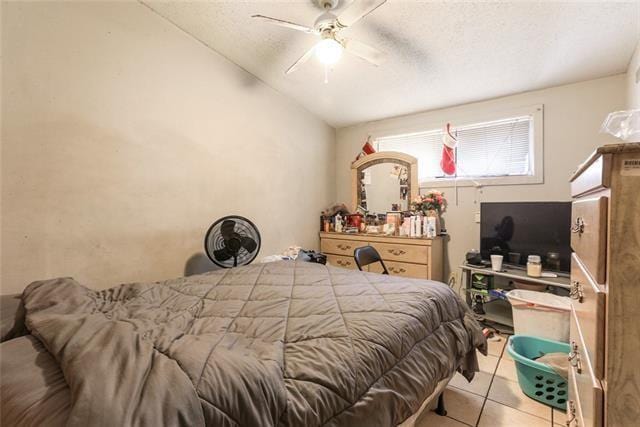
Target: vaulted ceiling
x,y
439,54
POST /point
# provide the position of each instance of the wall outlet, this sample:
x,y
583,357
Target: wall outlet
x,y
476,217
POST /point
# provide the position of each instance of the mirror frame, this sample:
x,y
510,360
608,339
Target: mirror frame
x,y
384,157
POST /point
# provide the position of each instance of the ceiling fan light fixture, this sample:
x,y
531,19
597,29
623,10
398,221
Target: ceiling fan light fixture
x,y
328,51
327,26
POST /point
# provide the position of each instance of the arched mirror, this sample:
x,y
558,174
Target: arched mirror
x,y
384,182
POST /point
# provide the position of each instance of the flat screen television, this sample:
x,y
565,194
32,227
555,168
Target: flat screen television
x,y
516,230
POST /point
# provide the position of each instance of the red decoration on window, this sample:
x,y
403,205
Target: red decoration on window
x,y
448,161
367,148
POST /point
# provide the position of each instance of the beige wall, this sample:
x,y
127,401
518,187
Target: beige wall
x,y
123,138
633,80
572,118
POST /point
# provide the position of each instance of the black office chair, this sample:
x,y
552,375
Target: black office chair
x,y
366,255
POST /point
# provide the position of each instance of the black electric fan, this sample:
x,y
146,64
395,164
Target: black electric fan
x,y
232,241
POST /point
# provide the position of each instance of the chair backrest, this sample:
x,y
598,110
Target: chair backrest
x,y
366,255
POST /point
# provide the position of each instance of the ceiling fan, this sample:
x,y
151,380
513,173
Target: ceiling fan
x,y
327,26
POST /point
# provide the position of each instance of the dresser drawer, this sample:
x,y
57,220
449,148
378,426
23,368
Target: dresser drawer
x,y
589,234
340,247
342,261
418,271
403,253
588,393
588,302
595,177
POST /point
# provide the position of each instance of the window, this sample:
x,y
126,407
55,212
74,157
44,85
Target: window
x,y
495,152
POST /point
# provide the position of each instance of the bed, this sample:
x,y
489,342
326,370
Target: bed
x,y
287,343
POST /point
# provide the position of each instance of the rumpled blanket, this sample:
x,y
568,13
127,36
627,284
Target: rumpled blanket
x,y
287,343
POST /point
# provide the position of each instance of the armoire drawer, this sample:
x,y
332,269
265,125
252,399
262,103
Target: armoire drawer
x,y
588,391
589,234
339,247
342,261
404,253
418,271
588,302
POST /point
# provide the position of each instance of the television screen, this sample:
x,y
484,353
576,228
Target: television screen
x,y
516,230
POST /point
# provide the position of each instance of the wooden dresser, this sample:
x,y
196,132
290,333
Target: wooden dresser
x,y
604,381
403,256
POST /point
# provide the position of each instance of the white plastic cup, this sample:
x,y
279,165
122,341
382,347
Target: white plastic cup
x,y
496,262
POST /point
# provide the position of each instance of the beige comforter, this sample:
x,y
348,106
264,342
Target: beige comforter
x,y
288,343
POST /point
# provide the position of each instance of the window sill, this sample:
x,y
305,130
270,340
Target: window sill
x,y
482,182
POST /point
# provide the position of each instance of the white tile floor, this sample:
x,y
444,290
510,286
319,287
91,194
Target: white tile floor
x,y
493,398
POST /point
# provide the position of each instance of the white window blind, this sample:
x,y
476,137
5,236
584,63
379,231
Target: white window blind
x,y
489,149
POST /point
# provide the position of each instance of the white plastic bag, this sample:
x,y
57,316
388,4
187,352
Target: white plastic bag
x,y
623,124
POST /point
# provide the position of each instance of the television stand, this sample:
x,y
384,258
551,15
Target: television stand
x,y
497,312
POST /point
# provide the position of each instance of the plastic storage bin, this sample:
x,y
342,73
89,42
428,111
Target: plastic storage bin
x,y
540,314
538,380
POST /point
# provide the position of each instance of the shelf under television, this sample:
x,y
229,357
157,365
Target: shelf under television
x,y
521,275
497,313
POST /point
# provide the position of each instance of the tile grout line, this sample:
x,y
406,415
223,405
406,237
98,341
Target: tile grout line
x,y
524,412
502,354
458,421
486,397
504,348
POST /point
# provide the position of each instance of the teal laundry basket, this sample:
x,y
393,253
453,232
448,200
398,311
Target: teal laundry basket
x,y
537,380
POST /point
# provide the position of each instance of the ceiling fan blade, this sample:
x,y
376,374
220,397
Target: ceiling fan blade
x,y
285,24
304,58
358,10
249,244
364,51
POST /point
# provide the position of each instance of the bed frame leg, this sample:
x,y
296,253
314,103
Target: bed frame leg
x,y
440,409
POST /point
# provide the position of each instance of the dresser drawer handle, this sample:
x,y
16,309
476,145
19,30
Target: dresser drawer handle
x,y
397,270
578,226
343,247
396,252
571,413
343,263
574,357
576,291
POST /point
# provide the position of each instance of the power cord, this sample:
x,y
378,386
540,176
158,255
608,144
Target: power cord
x,y
452,281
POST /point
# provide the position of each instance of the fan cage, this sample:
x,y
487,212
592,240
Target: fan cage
x,y
214,241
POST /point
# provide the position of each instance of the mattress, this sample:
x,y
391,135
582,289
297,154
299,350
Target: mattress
x,y
287,343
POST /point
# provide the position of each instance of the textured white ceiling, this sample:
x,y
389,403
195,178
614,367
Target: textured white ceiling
x,y
440,54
